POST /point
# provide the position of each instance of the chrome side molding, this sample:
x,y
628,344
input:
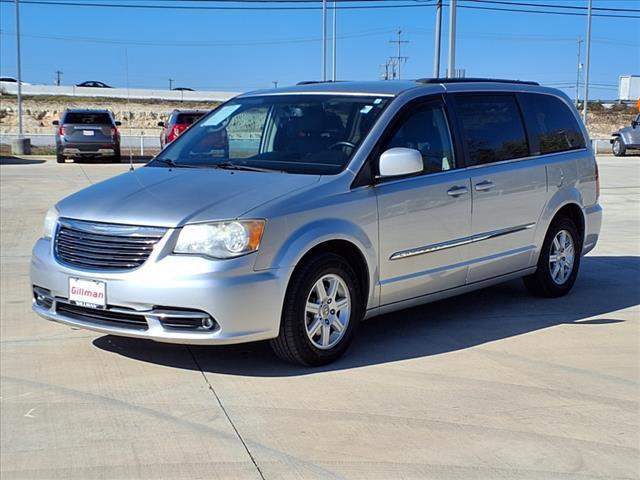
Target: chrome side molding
x,y
459,242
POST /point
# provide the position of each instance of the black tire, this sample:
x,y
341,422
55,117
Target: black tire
x,y
60,158
117,158
541,283
618,147
293,344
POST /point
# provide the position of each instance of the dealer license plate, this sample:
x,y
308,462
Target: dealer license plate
x,y
88,293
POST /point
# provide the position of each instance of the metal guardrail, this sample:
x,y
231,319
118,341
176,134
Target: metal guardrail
x,y
140,142
135,142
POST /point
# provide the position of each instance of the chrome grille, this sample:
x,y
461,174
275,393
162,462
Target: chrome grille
x,y
102,246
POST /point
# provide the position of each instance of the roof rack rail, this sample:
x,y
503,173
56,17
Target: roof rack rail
x,y
311,82
473,80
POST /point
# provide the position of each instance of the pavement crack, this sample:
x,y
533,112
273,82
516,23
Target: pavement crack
x,y
85,174
224,410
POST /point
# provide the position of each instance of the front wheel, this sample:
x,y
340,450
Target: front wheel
x,y
618,147
559,260
322,309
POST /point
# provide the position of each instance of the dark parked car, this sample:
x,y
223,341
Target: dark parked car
x,y
93,84
87,133
627,138
178,122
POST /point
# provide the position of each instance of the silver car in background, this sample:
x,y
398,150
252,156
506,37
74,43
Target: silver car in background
x,y
334,202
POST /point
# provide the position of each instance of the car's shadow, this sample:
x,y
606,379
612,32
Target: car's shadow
x,y
605,286
11,160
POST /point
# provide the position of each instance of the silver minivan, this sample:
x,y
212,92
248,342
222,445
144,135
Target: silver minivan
x,y
334,202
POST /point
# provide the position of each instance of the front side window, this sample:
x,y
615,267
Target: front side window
x,y
492,128
425,129
553,126
306,134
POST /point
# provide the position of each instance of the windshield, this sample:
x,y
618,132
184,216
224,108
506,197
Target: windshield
x,y
308,134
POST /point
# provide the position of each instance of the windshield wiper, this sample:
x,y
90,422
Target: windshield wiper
x,y
172,163
234,166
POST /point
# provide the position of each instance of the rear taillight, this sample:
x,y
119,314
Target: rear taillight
x,y
61,130
114,132
597,181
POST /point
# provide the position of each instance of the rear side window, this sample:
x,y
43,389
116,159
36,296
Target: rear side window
x,y
491,127
188,118
88,118
553,126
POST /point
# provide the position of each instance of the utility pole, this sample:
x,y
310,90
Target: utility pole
x,y
324,40
399,57
171,80
436,53
580,42
58,77
451,68
587,62
335,37
275,84
19,70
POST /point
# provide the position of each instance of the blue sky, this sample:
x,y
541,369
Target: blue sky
x,y
243,50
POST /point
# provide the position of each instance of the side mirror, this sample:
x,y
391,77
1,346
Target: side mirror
x,y
400,161
634,123
55,122
118,123
161,124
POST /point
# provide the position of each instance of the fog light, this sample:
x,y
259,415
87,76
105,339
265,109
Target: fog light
x,y
42,297
207,323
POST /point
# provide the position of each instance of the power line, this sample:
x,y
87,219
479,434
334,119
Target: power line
x,y
291,8
194,43
546,5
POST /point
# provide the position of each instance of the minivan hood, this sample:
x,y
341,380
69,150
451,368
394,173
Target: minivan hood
x,y
167,197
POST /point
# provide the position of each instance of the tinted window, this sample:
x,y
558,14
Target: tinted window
x,y
492,128
425,129
553,126
88,118
188,118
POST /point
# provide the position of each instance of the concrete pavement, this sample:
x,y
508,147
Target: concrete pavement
x,y
493,384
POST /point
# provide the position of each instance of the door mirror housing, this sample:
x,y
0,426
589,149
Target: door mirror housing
x,y
400,161
161,124
118,123
56,122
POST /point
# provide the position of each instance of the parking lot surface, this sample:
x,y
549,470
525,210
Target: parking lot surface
x,y
493,384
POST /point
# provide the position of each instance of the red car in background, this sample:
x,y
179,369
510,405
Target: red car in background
x,y
178,122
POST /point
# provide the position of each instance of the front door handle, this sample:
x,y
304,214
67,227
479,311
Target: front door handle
x,y
484,186
457,190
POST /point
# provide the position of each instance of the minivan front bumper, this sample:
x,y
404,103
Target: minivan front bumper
x,y
245,305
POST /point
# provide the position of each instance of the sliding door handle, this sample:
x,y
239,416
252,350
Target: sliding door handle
x,y
484,186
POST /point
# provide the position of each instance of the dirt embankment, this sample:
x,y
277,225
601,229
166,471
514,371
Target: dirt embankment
x,y
141,117
138,117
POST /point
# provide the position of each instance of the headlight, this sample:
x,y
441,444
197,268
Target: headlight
x,y
50,220
221,239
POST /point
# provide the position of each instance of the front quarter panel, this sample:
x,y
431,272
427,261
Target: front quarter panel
x,y
308,219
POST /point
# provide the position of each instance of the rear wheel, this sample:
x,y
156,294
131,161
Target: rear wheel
x,y
117,158
559,260
618,147
60,158
322,309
